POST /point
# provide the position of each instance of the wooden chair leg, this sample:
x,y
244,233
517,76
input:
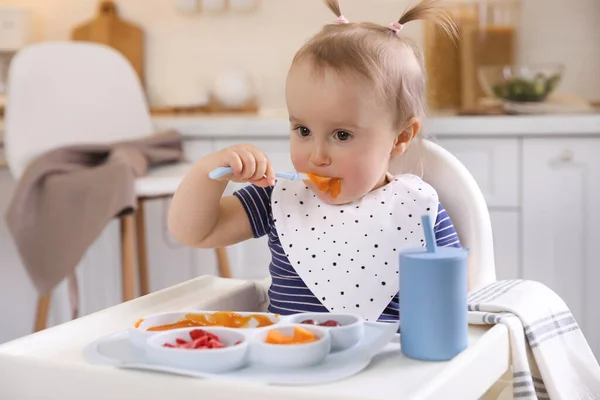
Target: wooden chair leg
x,y
142,251
41,316
128,256
223,262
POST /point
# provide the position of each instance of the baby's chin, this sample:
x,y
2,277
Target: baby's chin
x,y
326,197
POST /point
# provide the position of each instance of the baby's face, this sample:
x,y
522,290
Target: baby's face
x,y
338,129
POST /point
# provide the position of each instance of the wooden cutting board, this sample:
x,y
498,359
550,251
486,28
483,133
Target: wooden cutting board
x,y
107,28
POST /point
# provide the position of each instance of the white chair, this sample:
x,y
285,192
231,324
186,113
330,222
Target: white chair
x,y
67,93
463,200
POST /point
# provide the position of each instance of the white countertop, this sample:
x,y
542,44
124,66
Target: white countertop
x,y
275,124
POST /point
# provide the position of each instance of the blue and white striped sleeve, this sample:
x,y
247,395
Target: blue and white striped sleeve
x,y
257,203
445,234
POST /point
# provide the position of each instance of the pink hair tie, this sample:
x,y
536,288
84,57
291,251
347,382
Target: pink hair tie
x,y
341,20
395,26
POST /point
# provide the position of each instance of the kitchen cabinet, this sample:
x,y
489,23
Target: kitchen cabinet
x,y
560,223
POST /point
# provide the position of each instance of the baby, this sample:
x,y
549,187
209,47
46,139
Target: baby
x,y
355,94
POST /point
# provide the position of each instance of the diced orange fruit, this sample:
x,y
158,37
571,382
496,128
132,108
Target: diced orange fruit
x,y
276,337
300,336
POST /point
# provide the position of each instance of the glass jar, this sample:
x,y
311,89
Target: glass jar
x,y
487,36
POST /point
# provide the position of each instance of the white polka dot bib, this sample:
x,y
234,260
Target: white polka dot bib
x,y
348,254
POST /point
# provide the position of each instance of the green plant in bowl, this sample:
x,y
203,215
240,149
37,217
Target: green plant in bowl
x,y
520,83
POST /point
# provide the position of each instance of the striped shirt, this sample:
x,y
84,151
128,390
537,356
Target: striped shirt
x,y
288,293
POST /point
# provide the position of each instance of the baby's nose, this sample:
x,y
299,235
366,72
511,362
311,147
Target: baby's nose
x,y
320,157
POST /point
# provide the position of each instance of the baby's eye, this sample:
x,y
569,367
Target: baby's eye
x,y
303,131
343,135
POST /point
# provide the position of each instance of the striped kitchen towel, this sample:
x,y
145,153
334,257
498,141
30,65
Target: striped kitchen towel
x,y
551,358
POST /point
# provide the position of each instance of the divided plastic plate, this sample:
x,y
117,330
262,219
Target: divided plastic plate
x,y
117,350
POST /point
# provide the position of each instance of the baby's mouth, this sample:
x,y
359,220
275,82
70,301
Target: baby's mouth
x,y
333,186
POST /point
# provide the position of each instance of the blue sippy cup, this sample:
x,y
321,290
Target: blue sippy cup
x,y
433,300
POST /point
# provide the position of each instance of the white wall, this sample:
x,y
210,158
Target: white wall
x,y
186,51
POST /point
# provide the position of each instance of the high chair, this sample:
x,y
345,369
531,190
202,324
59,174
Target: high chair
x,y
463,200
68,93
465,204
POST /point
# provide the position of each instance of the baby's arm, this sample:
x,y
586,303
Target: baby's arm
x,y
200,216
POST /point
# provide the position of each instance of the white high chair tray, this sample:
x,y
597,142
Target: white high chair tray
x,y
50,364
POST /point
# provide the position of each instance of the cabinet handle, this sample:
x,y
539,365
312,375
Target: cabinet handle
x,y
566,156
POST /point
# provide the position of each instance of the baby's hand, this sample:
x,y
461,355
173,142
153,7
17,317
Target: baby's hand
x,y
248,164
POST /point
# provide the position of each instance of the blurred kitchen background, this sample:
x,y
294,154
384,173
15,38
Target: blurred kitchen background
x,y
215,70
186,49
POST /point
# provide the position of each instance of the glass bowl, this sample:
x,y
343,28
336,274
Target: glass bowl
x,y
520,83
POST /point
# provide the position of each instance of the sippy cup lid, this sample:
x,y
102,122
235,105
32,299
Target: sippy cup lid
x,y
432,251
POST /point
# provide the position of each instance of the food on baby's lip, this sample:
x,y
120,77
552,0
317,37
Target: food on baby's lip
x,y
326,184
221,318
300,336
326,323
199,340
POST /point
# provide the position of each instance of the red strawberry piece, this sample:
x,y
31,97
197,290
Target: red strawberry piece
x,y
197,334
168,345
201,341
180,341
215,344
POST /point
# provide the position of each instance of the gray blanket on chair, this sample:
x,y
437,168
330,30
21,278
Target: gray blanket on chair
x,y
67,196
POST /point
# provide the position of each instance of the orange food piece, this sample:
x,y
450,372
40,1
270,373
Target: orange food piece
x,y
300,336
221,318
321,182
138,322
179,324
336,187
276,337
325,184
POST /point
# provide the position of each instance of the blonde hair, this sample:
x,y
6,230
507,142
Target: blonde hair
x,y
379,54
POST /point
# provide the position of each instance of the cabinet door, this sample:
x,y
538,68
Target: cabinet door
x,y
506,232
494,164
561,217
250,259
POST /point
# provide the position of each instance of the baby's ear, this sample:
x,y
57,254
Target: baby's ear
x,y
406,136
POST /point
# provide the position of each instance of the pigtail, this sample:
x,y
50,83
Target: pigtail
x,y
429,10
334,6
